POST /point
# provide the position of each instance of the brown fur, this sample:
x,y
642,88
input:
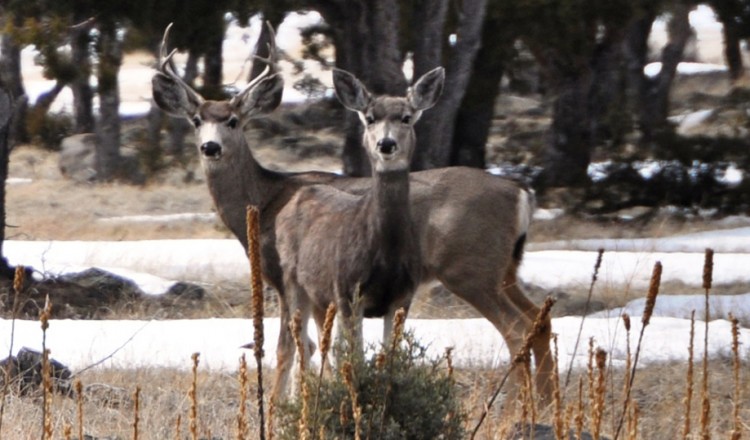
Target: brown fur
x,y
466,224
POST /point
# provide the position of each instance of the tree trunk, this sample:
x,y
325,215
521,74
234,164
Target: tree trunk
x,y
6,113
428,40
475,115
108,128
365,33
435,130
732,51
610,120
213,67
655,103
10,75
569,150
635,50
83,94
428,35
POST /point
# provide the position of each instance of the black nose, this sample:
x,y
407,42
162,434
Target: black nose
x,y
211,149
387,146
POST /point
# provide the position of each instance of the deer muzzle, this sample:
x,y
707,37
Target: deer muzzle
x,y
387,146
211,150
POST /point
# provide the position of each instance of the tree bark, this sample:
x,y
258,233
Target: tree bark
x,y
732,52
83,94
569,151
655,102
6,113
108,128
435,132
635,52
10,75
213,67
477,110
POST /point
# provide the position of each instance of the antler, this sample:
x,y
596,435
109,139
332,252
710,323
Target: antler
x,y
167,68
271,66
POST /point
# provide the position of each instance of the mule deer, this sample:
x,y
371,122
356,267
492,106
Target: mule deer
x,y
359,251
471,226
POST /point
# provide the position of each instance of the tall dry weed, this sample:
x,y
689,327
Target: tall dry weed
x,y
519,359
256,285
708,267
193,395
686,428
587,304
18,281
648,310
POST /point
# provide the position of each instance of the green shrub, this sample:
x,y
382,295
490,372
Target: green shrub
x,y
402,394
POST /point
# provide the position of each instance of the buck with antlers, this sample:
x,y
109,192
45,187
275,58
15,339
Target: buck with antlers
x,y
470,226
359,251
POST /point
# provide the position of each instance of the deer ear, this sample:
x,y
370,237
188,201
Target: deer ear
x,y
262,98
426,91
172,97
350,91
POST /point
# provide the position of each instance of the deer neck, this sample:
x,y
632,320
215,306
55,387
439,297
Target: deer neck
x,y
390,200
238,182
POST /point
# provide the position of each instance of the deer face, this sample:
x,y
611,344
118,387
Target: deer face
x,y
389,121
218,125
389,133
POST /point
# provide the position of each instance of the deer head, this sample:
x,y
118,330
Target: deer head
x,y
389,121
219,125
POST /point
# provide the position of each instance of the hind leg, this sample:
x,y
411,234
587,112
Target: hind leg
x,y
540,345
284,354
486,295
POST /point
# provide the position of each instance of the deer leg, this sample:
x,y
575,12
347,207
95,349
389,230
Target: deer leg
x,y
349,326
284,353
304,350
540,345
319,315
485,294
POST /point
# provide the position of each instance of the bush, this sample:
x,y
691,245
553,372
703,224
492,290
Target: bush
x,y
401,395
49,129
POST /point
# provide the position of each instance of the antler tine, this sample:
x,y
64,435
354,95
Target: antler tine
x,y
163,48
236,98
270,65
167,67
272,52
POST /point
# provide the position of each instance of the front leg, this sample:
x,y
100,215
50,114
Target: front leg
x,y
349,335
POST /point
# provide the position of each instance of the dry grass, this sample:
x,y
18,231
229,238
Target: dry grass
x,y
110,403
108,410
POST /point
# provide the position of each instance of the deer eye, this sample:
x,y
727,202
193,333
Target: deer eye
x,y
369,120
406,119
196,121
232,122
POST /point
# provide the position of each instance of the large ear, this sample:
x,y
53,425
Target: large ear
x,y
350,91
426,91
172,97
261,98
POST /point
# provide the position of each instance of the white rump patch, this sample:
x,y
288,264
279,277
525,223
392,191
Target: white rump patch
x,y
523,210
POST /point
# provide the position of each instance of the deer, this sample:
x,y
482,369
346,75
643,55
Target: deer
x,y
471,227
359,251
